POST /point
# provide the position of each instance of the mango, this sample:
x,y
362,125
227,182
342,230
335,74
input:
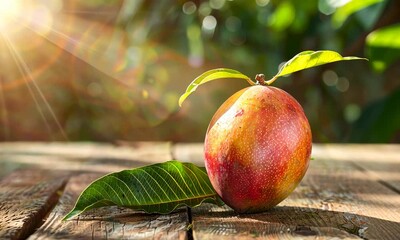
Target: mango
x,y
257,148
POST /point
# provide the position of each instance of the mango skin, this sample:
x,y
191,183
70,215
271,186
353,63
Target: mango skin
x,y
257,148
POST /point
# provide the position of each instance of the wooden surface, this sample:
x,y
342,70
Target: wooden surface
x,y
349,192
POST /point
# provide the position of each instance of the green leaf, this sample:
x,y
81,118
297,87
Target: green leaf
x,y
343,12
210,76
157,188
383,46
309,59
303,60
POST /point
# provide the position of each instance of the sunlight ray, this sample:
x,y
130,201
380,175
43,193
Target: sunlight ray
x,y
17,63
72,44
87,12
5,114
25,71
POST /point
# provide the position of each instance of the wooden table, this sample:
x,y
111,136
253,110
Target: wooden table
x,y
349,192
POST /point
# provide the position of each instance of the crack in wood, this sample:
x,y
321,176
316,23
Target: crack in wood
x,y
388,185
49,206
28,198
189,229
344,197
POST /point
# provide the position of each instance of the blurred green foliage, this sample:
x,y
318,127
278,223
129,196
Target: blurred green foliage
x,y
119,67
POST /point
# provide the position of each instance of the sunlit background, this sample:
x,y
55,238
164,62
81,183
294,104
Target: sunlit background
x,y
104,70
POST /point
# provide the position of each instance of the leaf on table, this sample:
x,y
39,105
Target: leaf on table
x,y
210,76
309,59
157,188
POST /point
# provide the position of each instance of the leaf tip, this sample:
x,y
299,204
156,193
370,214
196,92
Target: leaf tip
x,y
355,58
211,75
71,215
182,98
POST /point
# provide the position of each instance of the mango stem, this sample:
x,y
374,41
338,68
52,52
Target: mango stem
x,y
269,82
260,79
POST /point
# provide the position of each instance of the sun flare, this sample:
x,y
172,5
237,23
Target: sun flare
x,y
9,9
42,43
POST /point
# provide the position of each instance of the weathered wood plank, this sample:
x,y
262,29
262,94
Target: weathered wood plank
x,y
108,222
91,157
26,196
224,224
380,161
76,158
112,222
345,194
335,198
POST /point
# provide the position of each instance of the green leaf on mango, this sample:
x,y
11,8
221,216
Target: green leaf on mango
x,y
303,60
158,188
210,76
309,59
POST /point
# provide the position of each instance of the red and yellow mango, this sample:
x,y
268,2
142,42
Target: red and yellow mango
x,y
257,148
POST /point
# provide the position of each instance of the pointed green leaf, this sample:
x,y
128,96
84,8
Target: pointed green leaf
x,y
210,76
309,59
157,188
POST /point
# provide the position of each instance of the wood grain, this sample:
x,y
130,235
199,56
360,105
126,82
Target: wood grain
x,y
88,157
109,222
225,224
335,199
380,162
349,192
26,196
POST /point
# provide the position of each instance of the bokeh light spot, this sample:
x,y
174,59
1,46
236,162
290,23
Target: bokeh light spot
x,y
217,4
330,78
193,34
145,94
209,23
189,8
205,9
325,7
233,23
328,7
342,84
352,112
262,3
41,19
